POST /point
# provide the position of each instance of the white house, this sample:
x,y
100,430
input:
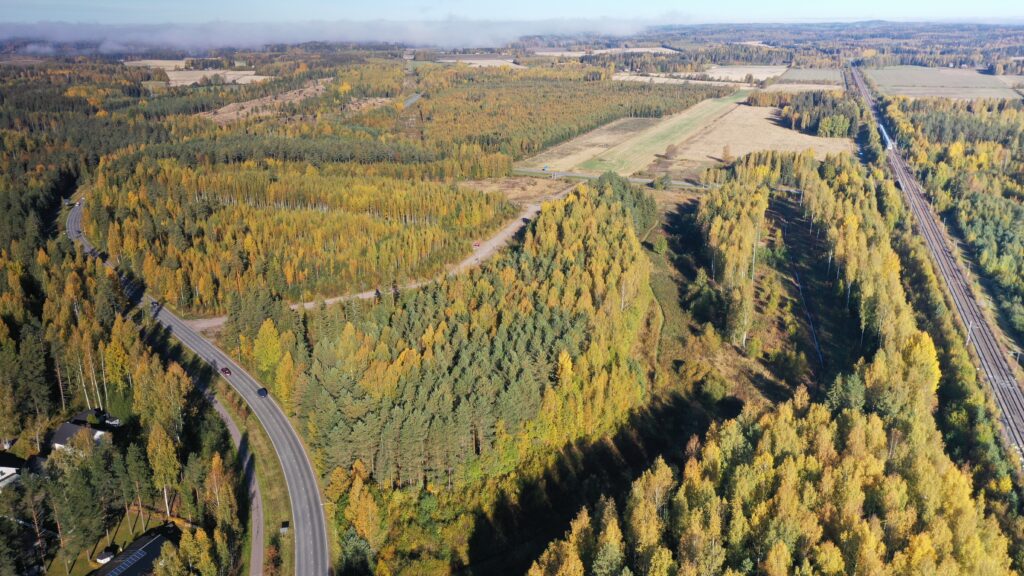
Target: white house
x,y
10,468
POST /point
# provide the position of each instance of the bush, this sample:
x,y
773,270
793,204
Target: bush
x,y
660,245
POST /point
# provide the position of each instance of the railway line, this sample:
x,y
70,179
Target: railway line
x,y
981,334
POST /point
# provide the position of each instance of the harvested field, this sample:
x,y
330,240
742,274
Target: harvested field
x,y
478,62
629,144
918,81
743,129
569,155
668,79
813,76
739,73
162,64
620,50
189,77
635,153
178,76
268,105
804,87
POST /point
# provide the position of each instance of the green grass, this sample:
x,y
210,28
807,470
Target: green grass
x,y
121,535
637,152
269,476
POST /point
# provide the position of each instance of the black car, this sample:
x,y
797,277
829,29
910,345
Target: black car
x,y
262,393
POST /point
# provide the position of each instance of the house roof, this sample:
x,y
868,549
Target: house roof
x,y
63,435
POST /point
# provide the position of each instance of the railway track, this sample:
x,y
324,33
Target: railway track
x,y
991,357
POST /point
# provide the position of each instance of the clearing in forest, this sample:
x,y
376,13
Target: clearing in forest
x,y
812,76
743,129
268,105
740,73
629,144
920,81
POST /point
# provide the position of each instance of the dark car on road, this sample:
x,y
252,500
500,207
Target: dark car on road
x,y
262,393
225,371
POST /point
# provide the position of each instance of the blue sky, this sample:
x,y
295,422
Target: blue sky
x,y
677,11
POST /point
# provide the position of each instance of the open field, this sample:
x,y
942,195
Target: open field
x,y
629,144
178,76
743,129
267,105
813,76
804,87
569,155
477,61
943,82
635,153
739,73
667,79
621,50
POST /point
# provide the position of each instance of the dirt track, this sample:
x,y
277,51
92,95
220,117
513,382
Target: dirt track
x,y
487,249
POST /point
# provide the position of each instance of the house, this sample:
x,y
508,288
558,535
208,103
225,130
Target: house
x,y
95,418
63,435
10,468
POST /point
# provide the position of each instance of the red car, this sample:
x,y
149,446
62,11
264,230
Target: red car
x,y
476,244
225,371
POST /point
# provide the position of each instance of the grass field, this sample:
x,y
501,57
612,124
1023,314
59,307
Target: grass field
x,y
667,79
743,129
636,152
781,87
813,76
569,155
943,82
739,73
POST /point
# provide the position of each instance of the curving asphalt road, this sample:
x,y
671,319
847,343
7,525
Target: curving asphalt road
x,y
980,333
308,526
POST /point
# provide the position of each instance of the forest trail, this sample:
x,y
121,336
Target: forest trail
x,y
485,251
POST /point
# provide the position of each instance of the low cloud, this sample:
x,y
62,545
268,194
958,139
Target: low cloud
x,y
451,33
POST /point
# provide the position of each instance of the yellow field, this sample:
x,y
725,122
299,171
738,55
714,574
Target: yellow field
x,y
743,129
628,145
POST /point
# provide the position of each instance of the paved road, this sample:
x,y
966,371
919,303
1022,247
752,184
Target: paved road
x,y
487,249
308,526
980,333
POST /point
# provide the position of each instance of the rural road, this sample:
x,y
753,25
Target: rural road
x,y
487,249
980,332
308,527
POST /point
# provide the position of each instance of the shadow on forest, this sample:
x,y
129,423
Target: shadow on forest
x,y
508,540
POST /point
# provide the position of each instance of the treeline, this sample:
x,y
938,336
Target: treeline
x,y
203,237
519,115
822,113
690,58
66,344
732,219
766,491
442,393
971,160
